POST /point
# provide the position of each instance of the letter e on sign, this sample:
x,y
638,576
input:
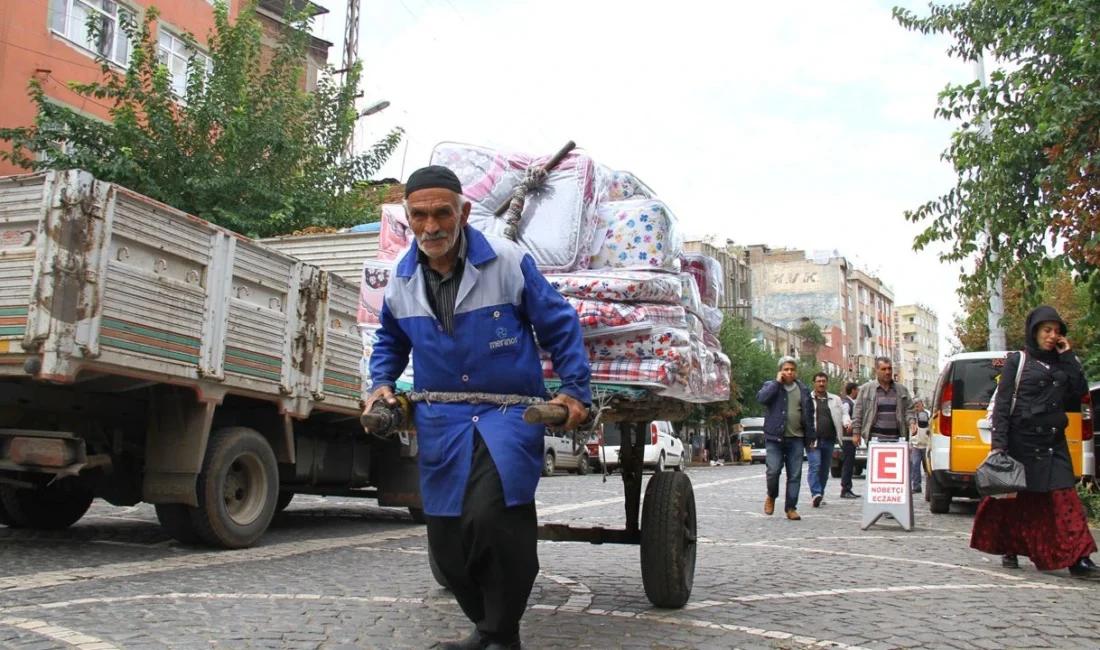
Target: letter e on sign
x,y
887,467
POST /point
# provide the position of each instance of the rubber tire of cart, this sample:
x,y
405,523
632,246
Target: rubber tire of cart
x,y
939,498
668,544
283,501
436,573
835,471
176,520
212,520
417,515
548,464
53,507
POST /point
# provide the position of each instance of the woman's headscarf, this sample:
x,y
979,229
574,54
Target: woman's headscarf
x,y
1039,315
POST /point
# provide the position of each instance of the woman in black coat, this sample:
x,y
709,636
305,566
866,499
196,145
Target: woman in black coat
x,y
1046,522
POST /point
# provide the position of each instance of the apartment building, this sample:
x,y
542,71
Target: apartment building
x,y
871,329
789,287
48,40
917,336
736,279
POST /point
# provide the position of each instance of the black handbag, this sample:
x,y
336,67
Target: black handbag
x,y
1000,474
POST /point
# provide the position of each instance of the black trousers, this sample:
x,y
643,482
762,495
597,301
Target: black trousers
x,y
848,465
488,554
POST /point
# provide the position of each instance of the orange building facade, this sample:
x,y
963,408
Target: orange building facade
x,y
48,40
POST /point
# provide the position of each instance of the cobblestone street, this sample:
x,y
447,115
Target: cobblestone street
x,y
338,573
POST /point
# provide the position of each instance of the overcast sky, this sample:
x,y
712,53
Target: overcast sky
x,y
800,124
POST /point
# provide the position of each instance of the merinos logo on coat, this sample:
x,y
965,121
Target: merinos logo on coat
x,y
503,340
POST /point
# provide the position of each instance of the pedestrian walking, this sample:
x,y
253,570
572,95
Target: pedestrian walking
x,y
788,432
830,420
919,448
1046,522
468,308
884,407
849,441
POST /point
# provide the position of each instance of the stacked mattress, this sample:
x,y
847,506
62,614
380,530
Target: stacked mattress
x,y
605,241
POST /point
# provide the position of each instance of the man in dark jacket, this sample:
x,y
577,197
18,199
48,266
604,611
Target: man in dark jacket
x,y
849,441
788,431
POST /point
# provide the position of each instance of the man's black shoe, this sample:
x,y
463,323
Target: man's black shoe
x,y
1010,562
472,642
849,495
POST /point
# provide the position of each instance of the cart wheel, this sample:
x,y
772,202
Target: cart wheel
x,y
668,540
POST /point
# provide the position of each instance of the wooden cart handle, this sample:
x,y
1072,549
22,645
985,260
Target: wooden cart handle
x,y
552,414
553,162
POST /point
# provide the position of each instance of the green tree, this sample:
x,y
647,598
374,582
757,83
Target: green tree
x,y
812,337
752,365
1073,301
244,147
1035,179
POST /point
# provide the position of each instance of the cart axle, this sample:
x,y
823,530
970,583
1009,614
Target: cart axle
x,y
592,535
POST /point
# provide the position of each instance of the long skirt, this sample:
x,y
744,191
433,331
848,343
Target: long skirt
x,y
1049,528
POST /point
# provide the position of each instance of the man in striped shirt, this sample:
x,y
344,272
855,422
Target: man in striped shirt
x,y
884,407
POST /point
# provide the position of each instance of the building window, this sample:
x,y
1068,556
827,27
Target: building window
x,y
70,20
175,53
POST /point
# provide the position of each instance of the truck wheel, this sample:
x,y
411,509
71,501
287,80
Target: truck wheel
x,y
417,515
680,466
660,463
668,540
835,471
238,488
436,573
54,507
939,498
176,520
284,500
6,518
548,465
582,468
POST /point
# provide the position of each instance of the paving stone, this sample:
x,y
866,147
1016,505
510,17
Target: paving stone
x,y
336,574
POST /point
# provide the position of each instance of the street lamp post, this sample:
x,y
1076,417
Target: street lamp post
x,y
373,109
995,283
376,107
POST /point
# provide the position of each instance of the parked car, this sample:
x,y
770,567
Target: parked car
x,y
752,434
558,454
662,450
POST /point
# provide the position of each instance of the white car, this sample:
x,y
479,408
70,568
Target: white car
x,y
662,449
558,454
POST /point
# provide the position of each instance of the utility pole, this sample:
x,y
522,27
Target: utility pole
x,y
351,55
996,283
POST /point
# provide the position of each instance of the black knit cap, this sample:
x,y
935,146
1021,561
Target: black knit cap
x,y
433,177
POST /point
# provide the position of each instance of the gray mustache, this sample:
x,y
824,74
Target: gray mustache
x,y
438,235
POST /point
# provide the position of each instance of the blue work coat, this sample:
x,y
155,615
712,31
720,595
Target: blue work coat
x,y
503,302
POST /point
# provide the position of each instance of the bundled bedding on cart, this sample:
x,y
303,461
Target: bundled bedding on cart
x,y
604,240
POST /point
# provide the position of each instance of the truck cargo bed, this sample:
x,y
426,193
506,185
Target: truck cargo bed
x,y
97,280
